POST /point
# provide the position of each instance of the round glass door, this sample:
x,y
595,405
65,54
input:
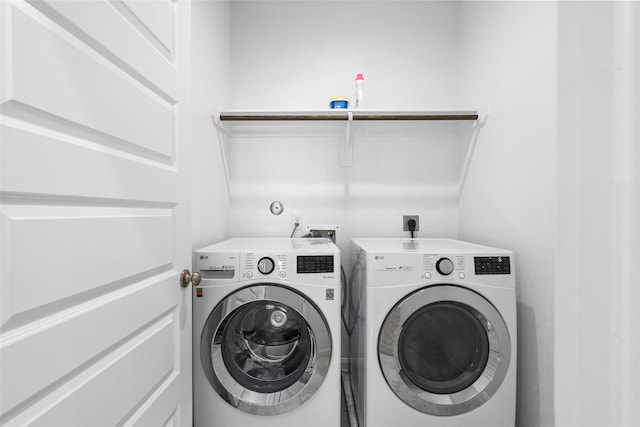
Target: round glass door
x,y
444,350
266,346
444,347
265,349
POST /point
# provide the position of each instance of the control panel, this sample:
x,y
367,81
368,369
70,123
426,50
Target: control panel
x,y
444,265
395,269
314,264
492,265
311,261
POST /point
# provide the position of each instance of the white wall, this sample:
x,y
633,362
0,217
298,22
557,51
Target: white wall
x,y
508,63
210,78
300,54
597,293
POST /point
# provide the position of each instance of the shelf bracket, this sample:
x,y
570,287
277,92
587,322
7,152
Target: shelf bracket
x,y
346,153
221,131
217,123
479,124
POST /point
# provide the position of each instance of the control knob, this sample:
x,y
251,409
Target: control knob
x,y
444,266
266,265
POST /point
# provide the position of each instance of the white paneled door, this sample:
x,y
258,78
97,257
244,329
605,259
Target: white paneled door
x,y
95,327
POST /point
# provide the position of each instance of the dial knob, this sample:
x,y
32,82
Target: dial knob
x,y
444,266
266,265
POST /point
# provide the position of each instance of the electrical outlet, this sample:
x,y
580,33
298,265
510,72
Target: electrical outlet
x,y
296,218
405,222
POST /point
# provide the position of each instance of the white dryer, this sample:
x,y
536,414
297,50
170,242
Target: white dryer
x,y
266,333
434,342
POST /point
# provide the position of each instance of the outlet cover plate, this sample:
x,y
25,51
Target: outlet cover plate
x,y
405,221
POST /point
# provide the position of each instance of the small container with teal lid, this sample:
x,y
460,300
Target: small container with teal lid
x,y
339,102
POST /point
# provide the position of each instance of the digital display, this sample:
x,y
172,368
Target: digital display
x,y
492,265
315,264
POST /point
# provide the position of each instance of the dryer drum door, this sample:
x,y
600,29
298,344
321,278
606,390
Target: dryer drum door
x,y
265,349
444,350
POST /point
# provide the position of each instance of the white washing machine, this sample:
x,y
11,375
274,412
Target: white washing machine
x,y
266,333
434,342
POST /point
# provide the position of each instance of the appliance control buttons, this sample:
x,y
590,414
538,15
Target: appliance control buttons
x,y
461,275
283,274
444,266
427,275
249,274
266,265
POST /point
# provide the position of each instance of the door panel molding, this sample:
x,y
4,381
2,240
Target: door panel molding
x,y
43,84
103,27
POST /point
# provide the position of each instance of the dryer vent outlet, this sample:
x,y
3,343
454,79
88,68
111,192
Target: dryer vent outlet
x,y
323,230
405,222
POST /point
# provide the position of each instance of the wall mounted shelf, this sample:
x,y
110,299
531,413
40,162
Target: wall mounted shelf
x,y
345,115
349,116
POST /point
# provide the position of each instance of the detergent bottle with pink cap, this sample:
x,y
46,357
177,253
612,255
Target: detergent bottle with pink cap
x,y
359,90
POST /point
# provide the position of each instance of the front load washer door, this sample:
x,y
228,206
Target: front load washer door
x,y
265,349
444,350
